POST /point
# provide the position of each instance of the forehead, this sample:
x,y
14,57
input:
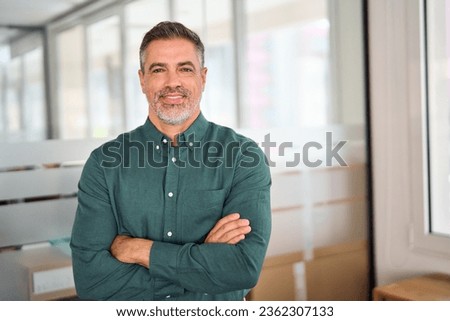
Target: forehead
x,y
171,51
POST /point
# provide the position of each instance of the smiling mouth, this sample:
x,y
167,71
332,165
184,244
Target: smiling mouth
x,y
173,99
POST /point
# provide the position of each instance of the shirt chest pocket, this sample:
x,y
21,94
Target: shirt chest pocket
x,y
200,209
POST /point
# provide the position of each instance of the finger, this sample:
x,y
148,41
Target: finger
x,y
236,240
229,218
229,235
229,226
225,238
217,235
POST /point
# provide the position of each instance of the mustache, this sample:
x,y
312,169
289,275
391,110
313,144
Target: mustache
x,y
177,90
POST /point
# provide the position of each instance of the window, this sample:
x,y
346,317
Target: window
x,y
4,58
403,244
33,95
287,64
71,97
98,90
105,77
22,93
89,88
271,64
12,102
438,107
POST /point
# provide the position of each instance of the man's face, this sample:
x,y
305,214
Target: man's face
x,y
173,80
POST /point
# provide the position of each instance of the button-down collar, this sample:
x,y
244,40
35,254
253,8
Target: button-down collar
x,y
189,138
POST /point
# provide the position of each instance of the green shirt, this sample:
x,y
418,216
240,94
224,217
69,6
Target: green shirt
x,y
142,186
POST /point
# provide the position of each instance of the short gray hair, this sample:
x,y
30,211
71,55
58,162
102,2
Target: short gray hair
x,y
171,30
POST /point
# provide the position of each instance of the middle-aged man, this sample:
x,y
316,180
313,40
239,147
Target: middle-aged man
x,y
179,208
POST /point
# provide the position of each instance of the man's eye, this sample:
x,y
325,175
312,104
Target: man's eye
x,y
187,69
157,70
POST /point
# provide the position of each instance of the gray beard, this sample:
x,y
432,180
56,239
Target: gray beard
x,y
178,119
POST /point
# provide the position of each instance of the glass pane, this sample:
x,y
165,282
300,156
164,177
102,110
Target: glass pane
x,y
287,64
438,53
140,16
34,95
191,14
13,107
72,107
220,95
4,59
105,78
22,91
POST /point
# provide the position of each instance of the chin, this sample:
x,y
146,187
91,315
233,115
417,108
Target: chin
x,y
174,120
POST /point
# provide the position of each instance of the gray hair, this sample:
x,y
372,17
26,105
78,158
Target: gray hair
x,y
171,30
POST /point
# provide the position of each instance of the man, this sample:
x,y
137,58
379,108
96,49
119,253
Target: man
x,y
179,208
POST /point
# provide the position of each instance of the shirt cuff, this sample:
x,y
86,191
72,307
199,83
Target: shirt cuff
x,y
163,260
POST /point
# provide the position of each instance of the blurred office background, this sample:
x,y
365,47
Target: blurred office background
x,y
292,69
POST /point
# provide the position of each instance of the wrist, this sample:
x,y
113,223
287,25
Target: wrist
x,y
141,252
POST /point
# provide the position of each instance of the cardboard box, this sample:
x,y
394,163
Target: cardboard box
x,y
37,274
338,272
277,279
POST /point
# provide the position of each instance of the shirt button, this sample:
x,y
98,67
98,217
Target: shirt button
x,y
164,141
191,144
174,159
167,296
169,234
170,194
157,146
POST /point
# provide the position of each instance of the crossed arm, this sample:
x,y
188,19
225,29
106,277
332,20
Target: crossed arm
x,y
231,229
231,245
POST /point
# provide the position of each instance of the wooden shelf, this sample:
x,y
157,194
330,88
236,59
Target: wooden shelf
x,y
431,287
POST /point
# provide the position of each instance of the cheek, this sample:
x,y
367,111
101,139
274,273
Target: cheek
x,y
198,87
149,90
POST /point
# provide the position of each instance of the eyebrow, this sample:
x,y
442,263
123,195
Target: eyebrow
x,y
160,64
184,63
156,64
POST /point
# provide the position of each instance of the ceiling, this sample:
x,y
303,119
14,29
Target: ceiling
x,y
17,16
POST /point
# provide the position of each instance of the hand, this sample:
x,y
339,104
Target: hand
x,y
231,229
132,250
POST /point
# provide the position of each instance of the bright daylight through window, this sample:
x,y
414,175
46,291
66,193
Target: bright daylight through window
x,y
438,109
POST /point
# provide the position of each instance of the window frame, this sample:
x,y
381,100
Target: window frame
x,y
434,105
422,240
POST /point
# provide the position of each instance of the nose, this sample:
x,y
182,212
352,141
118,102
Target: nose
x,y
172,79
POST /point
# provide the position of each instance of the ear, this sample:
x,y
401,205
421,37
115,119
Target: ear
x,y
141,79
203,73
